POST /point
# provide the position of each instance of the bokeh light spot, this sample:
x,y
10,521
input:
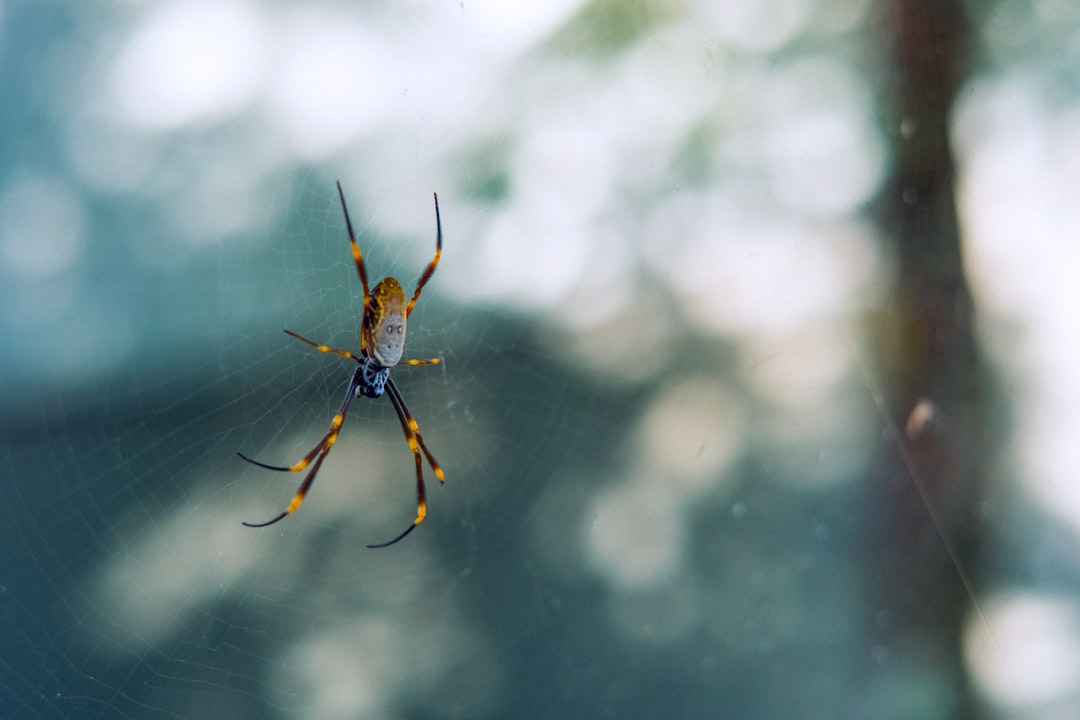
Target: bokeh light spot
x,y
690,434
1025,649
636,534
41,226
190,61
334,81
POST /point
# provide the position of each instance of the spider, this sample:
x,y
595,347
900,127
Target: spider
x,y
382,342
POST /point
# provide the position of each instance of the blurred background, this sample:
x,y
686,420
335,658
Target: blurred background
x,y
758,325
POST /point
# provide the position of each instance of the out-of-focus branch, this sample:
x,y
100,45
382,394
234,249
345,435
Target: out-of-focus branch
x,y
927,346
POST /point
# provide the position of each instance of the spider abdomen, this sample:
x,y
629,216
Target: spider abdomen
x,y
386,323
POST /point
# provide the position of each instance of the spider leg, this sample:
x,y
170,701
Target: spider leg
x,y
318,453
416,445
430,270
358,258
432,361
298,499
407,419
323,348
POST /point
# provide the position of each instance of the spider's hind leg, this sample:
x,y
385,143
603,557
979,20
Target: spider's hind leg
x,y
318,453
416,445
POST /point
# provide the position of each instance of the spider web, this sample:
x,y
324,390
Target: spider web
x,y
667,438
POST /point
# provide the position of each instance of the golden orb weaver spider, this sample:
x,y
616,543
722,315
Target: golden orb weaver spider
x,y
382,342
